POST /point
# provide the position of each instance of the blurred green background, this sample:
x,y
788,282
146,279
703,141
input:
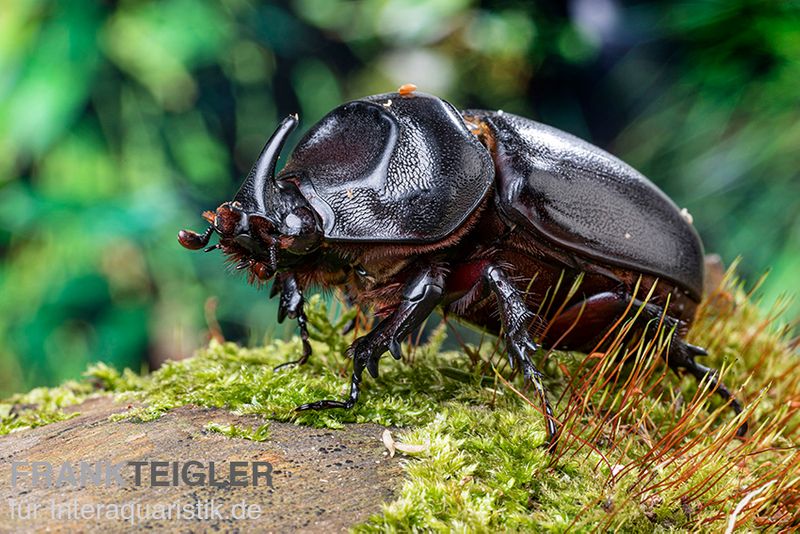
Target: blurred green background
x,y
120,122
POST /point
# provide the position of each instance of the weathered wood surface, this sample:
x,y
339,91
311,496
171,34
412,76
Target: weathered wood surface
x,y
323,480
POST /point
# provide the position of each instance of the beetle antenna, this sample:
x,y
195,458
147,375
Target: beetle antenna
x,y
193,240
212,247
273,259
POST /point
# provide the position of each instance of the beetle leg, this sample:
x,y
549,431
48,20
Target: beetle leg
x,y
682,356
590,316
291,305
516,318
420,298
351,324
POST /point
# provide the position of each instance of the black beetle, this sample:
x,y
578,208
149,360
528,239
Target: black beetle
x,y
407,204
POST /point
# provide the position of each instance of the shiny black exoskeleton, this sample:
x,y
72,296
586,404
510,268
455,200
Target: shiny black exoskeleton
x,y
407,204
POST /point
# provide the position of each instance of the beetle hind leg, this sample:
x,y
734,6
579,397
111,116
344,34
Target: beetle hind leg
x,y
516,318
583,325
682,356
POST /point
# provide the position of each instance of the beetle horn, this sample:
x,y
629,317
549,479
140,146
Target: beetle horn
x,y
262,176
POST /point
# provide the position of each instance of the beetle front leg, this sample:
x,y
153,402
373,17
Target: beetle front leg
x,y
351,324
291,305
516,318
420,298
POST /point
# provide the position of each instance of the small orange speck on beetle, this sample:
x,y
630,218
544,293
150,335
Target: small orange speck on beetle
x,y
406,89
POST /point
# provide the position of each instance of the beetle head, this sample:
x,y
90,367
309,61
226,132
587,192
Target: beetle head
x,y
268,225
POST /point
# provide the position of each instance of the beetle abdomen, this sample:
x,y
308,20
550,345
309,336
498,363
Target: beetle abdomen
x,y
586,200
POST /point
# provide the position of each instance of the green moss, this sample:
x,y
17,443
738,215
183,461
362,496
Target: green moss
x,y
485,472
41,406
244,381
661,461
260,433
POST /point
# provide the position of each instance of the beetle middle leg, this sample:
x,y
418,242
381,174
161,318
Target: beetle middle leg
x,y
420,297
291,305
516,318
583,323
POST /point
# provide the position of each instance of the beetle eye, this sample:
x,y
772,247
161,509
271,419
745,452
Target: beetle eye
x,y
300,221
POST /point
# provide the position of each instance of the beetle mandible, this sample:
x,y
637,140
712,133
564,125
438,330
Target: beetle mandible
x,y
408,205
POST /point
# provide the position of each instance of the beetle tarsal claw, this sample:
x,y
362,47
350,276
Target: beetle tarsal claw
x,y
348,404
395,349
372,367
534,376
325,405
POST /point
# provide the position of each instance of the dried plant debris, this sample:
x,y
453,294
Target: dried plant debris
x,y
408,448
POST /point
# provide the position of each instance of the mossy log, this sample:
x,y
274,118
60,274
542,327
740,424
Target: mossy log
x,y
322,480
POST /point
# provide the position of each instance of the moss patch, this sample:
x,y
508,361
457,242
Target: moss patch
x,y
41,406
260,433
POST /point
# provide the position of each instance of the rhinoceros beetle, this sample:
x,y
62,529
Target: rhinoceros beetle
x,y
407,204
